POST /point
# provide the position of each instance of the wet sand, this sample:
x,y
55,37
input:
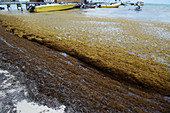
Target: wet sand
x,y
80,87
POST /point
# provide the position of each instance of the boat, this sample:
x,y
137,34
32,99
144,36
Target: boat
x,y
78,5
115,5
51,7
2,8
140,3
90,6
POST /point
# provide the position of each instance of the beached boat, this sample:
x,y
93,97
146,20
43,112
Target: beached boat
x,y
90,6
2,8
140,3
115,5
51,7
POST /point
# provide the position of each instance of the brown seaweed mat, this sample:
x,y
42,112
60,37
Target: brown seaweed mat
x,y
122,65
80,87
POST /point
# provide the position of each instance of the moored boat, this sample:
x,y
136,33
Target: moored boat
x,y
116,5
51,7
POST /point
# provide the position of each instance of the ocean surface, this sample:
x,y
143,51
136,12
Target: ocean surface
x,y
150,11
153,12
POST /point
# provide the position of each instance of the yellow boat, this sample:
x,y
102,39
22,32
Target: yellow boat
x,y
140,3
51,7
116,5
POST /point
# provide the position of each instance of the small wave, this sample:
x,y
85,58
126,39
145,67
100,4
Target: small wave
x,y
162,5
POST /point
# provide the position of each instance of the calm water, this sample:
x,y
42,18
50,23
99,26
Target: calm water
x,y
153,12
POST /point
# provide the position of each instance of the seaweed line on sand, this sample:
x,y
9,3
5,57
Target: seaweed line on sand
x,y
124,66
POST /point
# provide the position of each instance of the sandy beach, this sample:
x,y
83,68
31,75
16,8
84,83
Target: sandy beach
x,y
90,64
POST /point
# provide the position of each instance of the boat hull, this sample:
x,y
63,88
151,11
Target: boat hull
x,y
53,8
90,6
110,6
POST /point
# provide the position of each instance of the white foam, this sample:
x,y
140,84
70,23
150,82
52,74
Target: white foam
x,y
2,94
64,54
31,107
6,83
2,71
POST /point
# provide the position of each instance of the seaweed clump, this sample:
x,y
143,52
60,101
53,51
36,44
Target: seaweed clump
x,y
115,60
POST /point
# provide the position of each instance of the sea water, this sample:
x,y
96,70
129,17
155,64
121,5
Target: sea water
x,y
150,11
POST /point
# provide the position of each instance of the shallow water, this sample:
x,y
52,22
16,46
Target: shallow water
x,y
152,12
